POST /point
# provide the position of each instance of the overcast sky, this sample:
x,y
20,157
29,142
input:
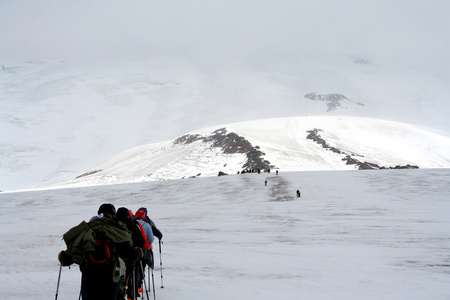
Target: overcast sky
x,y
405,31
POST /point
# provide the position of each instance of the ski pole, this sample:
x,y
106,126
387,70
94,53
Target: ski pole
x,y
160,263
59,279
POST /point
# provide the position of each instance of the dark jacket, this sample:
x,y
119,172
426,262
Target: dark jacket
x,y
99,280
156,232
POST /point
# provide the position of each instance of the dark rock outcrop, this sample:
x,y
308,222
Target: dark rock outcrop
x,y
231,143
350,159
314,135
333,100
88,173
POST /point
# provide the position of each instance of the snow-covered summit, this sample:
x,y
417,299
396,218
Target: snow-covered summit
x,y
345,143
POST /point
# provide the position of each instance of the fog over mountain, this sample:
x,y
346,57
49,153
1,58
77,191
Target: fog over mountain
x,y
81,82
399,32
107,100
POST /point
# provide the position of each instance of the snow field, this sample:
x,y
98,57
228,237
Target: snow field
x,y
352,235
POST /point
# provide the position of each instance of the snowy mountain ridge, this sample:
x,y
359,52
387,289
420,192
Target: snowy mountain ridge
x,y
285,144
62,119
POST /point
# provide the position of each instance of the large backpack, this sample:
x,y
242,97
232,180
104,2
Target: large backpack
x,y
95,241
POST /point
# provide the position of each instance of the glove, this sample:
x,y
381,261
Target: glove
x,y
148,257
64,259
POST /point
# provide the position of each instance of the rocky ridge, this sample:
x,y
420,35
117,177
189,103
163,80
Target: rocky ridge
x,y
351,158
231,143
333,101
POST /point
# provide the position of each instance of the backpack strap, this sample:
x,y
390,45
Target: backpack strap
x,y
103,244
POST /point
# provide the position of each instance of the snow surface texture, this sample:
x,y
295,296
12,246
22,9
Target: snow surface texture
x,y
352,235
283,142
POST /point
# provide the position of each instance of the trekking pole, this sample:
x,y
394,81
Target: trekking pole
x,y
143,279
151,267
59,279
134,283
153,281
160,263
127,279
148,279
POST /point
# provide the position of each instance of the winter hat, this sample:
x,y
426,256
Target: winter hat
x,y
107,208
144,209
140,214
122,212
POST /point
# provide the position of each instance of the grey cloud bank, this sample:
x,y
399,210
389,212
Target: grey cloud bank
x,y
409,32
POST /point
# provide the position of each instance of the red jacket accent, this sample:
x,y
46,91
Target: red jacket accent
x,y
147,244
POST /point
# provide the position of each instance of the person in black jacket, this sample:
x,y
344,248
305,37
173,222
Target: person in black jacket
x,y
126,283
125,216
97,280
155,230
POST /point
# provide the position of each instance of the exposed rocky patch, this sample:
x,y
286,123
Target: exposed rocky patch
x,y
188,139
314,135
361,61
88,173
333,100
193,176
231,143
350,158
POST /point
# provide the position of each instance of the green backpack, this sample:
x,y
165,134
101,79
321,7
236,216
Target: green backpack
x,y
94,242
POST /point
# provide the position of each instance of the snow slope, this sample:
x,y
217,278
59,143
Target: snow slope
x,y
59,119
352,235
284,144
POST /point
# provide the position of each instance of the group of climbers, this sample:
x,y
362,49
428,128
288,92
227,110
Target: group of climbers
x,y
112,250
